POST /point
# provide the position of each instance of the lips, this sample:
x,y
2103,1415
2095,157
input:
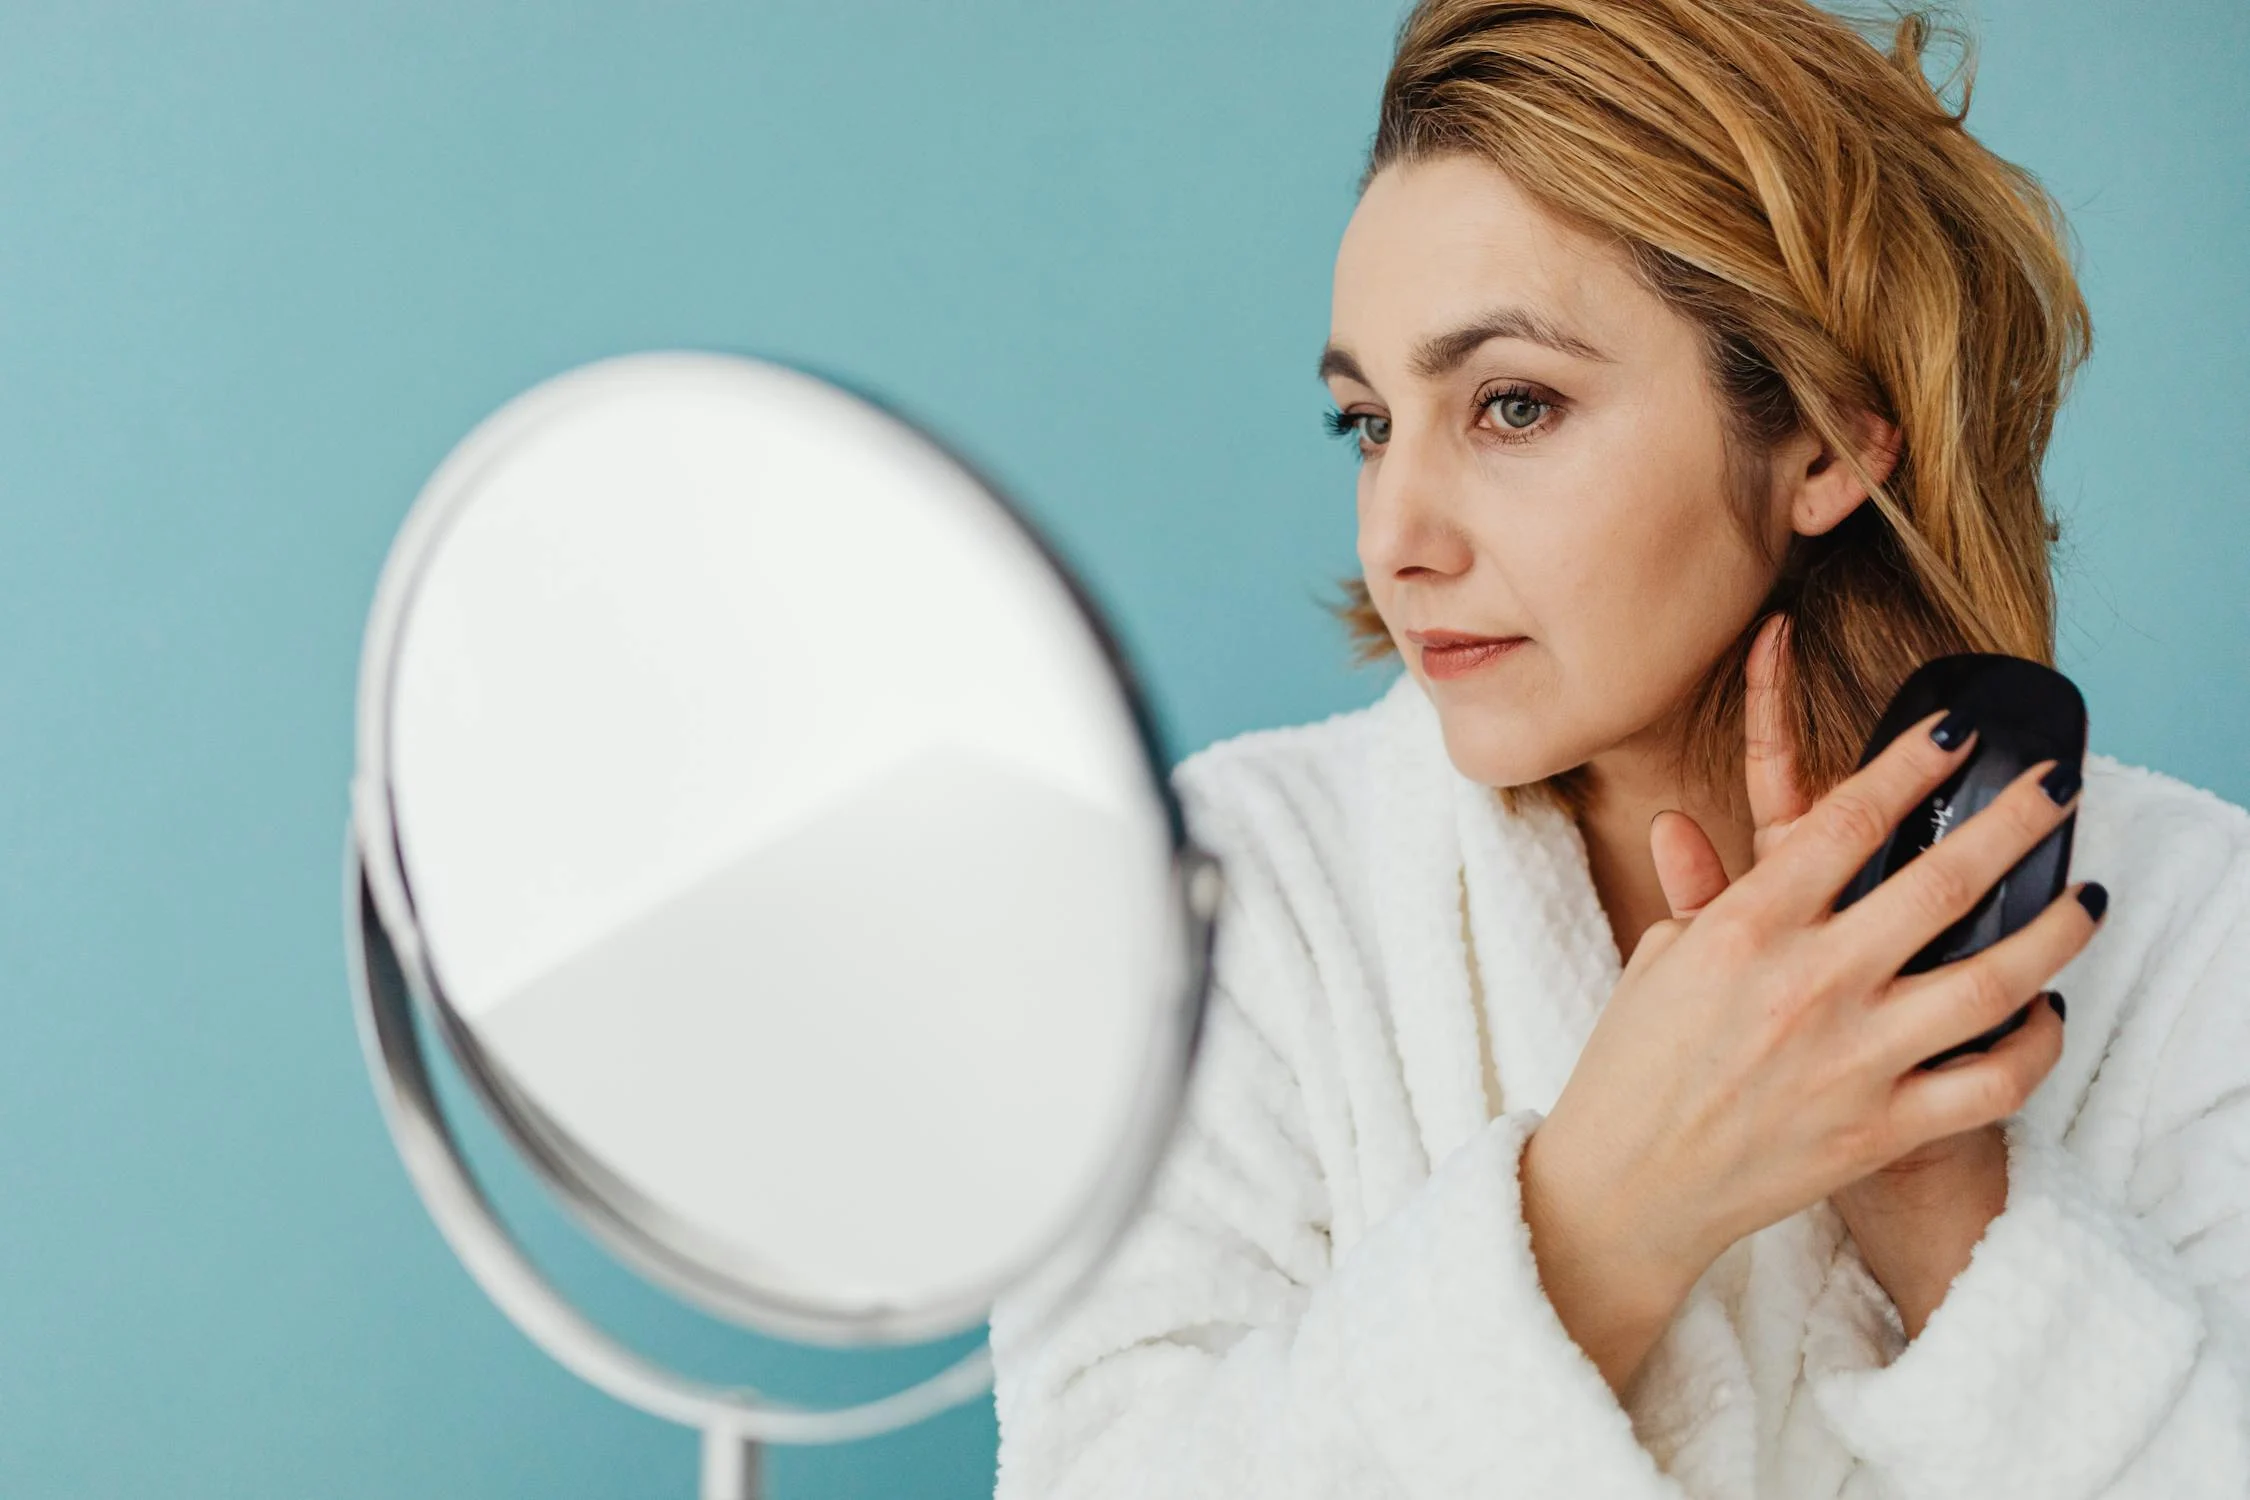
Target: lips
x,y
1454,653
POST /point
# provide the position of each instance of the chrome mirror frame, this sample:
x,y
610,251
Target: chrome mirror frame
x,y
394,986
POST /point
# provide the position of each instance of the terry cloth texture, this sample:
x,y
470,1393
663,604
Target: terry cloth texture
x,y
1330,1291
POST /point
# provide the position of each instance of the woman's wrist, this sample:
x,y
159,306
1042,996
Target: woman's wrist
x,y
1613,1287
1917,1221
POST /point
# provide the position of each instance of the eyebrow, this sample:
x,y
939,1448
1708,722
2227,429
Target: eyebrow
x,y
1444,353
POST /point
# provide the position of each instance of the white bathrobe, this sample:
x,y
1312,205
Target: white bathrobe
x,y
1331,1290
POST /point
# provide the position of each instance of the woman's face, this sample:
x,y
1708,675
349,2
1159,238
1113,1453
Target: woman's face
x,y
1542,462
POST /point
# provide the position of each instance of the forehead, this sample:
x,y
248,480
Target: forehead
x,y
1434,242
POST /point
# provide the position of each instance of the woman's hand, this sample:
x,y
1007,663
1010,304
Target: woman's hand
x,y
1760,1051
1915,1218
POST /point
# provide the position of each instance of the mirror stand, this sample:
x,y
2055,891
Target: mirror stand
x,y
733,1466
735,1421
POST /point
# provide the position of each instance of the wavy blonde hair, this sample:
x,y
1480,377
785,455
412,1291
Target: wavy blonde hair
x,y
1814,205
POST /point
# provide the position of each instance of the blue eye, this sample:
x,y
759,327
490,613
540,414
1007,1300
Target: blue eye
x,y
1517,409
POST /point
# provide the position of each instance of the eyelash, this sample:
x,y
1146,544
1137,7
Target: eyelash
x,y
1342,424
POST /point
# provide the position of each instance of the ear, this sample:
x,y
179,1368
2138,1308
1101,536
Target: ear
x,y
1822,488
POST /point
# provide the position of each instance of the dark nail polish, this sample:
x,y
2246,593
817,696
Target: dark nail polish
x,y
1951,730
2061,783
2055,999
2094,896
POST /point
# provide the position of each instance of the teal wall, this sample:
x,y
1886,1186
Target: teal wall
x,y
260,266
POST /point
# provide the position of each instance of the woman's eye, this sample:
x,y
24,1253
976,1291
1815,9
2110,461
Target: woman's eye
x,y
1371,429
1517,409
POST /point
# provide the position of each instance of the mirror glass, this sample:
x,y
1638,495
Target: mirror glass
x,y
790,865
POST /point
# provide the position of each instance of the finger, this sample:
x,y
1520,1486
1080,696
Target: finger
x,y
1943,883
1923,1014
1769,757
1687,866
1978,1087
1838,833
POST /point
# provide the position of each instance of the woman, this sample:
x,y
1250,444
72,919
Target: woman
x,y
1700,366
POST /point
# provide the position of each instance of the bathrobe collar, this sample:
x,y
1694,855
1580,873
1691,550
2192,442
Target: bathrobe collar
x,y
1541,940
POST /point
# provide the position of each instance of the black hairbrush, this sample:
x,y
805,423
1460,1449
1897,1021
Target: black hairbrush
x,y
2023,713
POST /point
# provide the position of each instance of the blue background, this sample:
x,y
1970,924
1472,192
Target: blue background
x,y
261,265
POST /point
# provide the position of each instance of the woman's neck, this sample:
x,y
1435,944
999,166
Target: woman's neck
x,y
1623,791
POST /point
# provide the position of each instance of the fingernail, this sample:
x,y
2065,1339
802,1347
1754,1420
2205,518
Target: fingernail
x,y
2055,999
1951,730
2061,783
2094,896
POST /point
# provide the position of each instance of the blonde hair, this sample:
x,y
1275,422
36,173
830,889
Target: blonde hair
x,y
1819,210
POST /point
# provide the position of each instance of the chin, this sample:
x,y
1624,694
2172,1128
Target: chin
x,y
1501,750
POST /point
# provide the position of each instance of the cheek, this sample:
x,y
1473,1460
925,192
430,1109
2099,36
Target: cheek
x,y
1640,580
1377,578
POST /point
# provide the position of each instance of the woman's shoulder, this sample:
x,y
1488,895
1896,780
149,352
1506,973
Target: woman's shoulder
x,y
1299,816
1311,776
2168,974
2184,852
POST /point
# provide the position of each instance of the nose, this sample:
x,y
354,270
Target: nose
x,y
1409,528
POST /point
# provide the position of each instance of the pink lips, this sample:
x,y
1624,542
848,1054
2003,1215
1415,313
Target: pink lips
x,y
1455,653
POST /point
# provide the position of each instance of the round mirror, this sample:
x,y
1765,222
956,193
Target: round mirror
x,y
771,829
